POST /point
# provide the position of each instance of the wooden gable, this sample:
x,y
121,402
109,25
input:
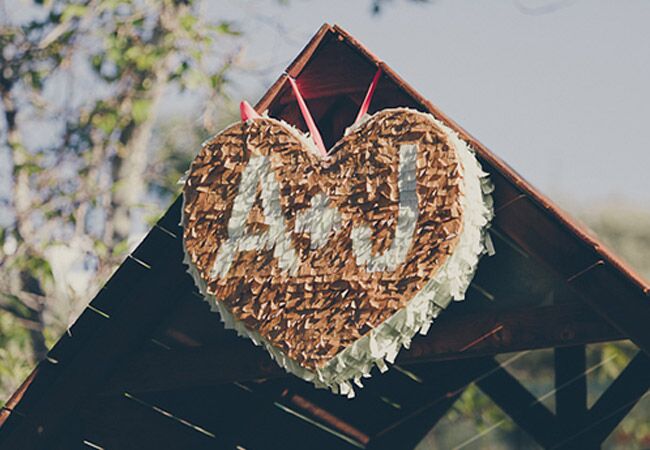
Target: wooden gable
x,y
147,365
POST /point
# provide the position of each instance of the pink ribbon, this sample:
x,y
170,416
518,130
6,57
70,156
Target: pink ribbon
x,y
247,111
313,129
366,101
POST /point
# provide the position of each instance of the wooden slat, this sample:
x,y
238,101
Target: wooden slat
x,y
451,336
124,423
496,332
144,305
253,421
17,396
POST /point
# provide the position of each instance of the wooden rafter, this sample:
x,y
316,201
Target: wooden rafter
x,y
524,408
49,400
452,337
152,280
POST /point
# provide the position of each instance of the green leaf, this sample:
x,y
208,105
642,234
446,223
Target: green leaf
x,y
188,21
226,28
121,248
106,121
140,110
73,11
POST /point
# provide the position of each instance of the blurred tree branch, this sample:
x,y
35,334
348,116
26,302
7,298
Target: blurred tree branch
x,y
86,186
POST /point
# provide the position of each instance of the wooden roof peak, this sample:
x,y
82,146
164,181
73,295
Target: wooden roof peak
x,y
144,304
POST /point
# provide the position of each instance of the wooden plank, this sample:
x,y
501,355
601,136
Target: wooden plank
x,y
451,337
17,396
157,291
571,389
125,423
489,333
524,409
246,417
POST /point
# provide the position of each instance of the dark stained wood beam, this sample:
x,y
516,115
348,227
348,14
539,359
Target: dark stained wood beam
x,y
79,364
516,401
451,337
612,296
485,333
127,423
613,405
571,389
241,416
598,278
547,232
446,383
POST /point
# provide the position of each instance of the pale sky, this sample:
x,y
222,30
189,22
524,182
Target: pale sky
x,y
562,96
558,89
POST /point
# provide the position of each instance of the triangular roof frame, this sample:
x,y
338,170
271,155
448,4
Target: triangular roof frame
x,y
521,211
147,285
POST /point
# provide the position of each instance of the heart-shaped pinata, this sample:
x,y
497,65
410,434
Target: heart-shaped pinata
x,y
334,264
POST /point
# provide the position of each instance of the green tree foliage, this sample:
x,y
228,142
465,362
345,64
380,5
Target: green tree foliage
x,y
79,195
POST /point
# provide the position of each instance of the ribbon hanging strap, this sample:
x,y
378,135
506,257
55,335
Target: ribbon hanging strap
x,y
311,125
371,91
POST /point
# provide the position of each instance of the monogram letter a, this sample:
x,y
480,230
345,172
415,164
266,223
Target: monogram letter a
x,y
257,172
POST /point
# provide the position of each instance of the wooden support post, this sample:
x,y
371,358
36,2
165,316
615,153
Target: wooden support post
x,y
408,431
408,434
452,337
516,401
571,389
613,405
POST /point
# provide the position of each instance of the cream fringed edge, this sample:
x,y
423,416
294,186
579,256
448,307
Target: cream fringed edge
x,y
383,343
